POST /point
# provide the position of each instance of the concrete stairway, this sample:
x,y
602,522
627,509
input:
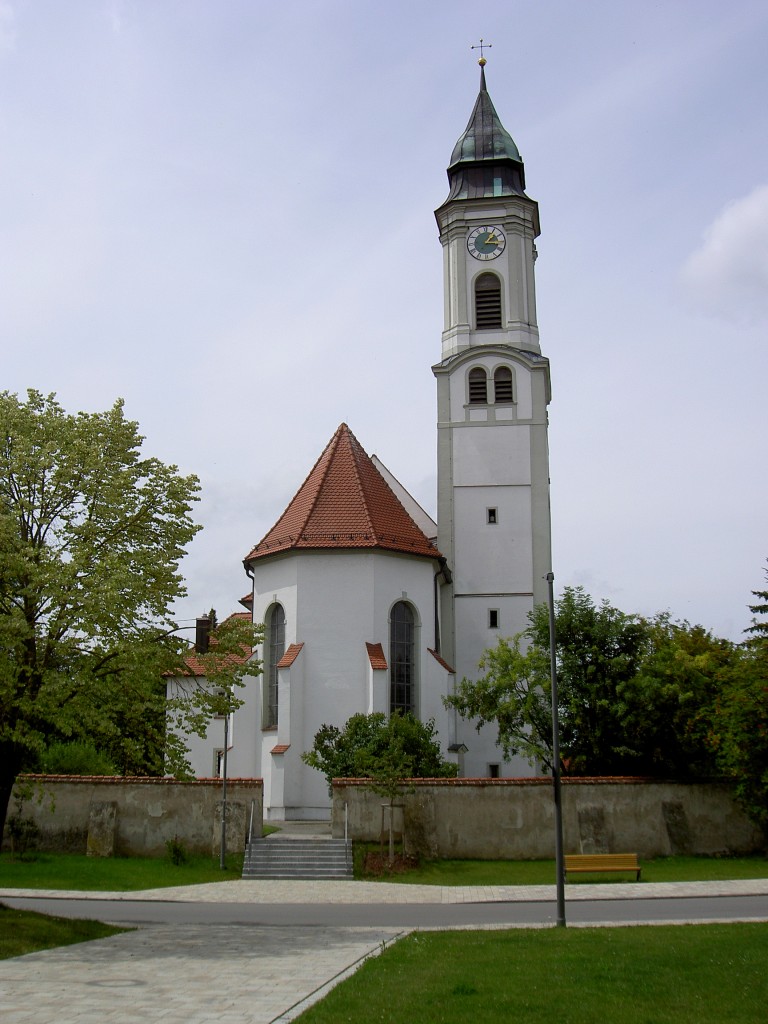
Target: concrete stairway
x,y
298,855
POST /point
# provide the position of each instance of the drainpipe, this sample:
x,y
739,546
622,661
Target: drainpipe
x,y
443,575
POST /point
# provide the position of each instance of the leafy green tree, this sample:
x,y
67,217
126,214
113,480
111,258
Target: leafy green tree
x,y
209,686
634,693
367,740
739,733
667,706
514,693
388,766
91,536
77,757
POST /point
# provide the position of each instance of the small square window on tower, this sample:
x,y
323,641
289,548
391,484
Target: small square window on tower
x,y
493,516
493,618
493,771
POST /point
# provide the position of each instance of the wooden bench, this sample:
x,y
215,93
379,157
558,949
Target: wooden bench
x,y
580,862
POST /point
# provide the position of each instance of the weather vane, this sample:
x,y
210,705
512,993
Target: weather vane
x,y
480,46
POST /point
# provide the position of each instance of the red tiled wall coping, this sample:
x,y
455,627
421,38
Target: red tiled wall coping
x,y
148,780
599,780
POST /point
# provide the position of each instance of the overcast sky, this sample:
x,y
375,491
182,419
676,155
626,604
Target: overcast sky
x,y
222,211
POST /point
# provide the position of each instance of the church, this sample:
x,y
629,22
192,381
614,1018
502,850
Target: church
x,y
368,604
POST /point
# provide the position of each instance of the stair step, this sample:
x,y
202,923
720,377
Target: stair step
x,y
317,857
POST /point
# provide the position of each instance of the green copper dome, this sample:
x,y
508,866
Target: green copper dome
x,y
485,161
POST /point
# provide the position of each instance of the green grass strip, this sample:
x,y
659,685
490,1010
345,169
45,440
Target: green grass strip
x,y
23,931
76,871
542,872
696,974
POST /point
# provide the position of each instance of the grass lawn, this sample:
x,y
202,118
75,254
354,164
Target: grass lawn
x,y
542,872
22,931
76,871
696,974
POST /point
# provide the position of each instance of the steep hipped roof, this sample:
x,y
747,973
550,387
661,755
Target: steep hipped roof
x,y
345,503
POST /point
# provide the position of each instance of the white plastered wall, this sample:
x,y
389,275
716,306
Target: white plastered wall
x,y
336,601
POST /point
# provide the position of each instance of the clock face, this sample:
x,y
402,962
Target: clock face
x,y
486,243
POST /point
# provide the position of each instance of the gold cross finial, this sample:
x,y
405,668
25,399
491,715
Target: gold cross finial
x,y
480,46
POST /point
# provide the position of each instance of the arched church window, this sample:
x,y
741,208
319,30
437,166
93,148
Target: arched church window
x,y
488,302
478,386
502,385
402,662
275,637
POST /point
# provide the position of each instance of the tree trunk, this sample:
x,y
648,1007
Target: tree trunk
x,y
10,766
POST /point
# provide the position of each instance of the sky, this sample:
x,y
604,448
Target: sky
x,y
222,212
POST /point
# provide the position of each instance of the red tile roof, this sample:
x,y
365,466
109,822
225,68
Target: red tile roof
x,y
195,667
345,502
290,656
376,655
442,661
280,748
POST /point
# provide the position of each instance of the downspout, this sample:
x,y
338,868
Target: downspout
x,y
443,575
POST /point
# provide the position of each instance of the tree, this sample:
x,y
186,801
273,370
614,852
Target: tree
x,y
91,536
759,626
367,740
634,693
739,732
514,693
387,767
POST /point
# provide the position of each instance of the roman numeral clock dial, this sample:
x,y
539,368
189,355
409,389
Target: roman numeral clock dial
x,y
486,243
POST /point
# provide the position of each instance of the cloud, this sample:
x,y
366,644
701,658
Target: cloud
x,y
728,274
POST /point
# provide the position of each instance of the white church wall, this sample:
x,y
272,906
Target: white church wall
x,y
335,602
491,455
495,558
274,583
242,759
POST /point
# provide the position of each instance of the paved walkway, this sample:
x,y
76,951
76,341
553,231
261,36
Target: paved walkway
x,y
211,974
290,891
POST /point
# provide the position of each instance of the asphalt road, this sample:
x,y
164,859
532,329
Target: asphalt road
x,y
460,915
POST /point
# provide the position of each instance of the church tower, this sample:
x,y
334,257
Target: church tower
x,y
493,388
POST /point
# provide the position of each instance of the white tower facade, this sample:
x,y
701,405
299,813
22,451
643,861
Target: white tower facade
x,y
493,389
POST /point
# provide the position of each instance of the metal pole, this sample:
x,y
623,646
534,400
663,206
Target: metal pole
x,y
559,863
223,859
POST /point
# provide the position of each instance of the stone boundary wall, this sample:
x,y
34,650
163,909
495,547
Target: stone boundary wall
x,y
115,816
515,818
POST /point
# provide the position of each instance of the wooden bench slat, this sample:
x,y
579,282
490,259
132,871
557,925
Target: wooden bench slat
x,y
596,862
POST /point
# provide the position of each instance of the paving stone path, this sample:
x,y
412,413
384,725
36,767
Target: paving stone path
x,y
192,975
242,974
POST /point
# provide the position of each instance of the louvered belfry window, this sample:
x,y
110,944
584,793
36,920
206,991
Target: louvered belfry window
x,y
488,302
502,385
478,386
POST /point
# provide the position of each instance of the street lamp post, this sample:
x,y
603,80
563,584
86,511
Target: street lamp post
x,y
559,863
223,858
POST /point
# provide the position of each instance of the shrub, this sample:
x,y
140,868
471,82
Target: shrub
x,y
77,757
